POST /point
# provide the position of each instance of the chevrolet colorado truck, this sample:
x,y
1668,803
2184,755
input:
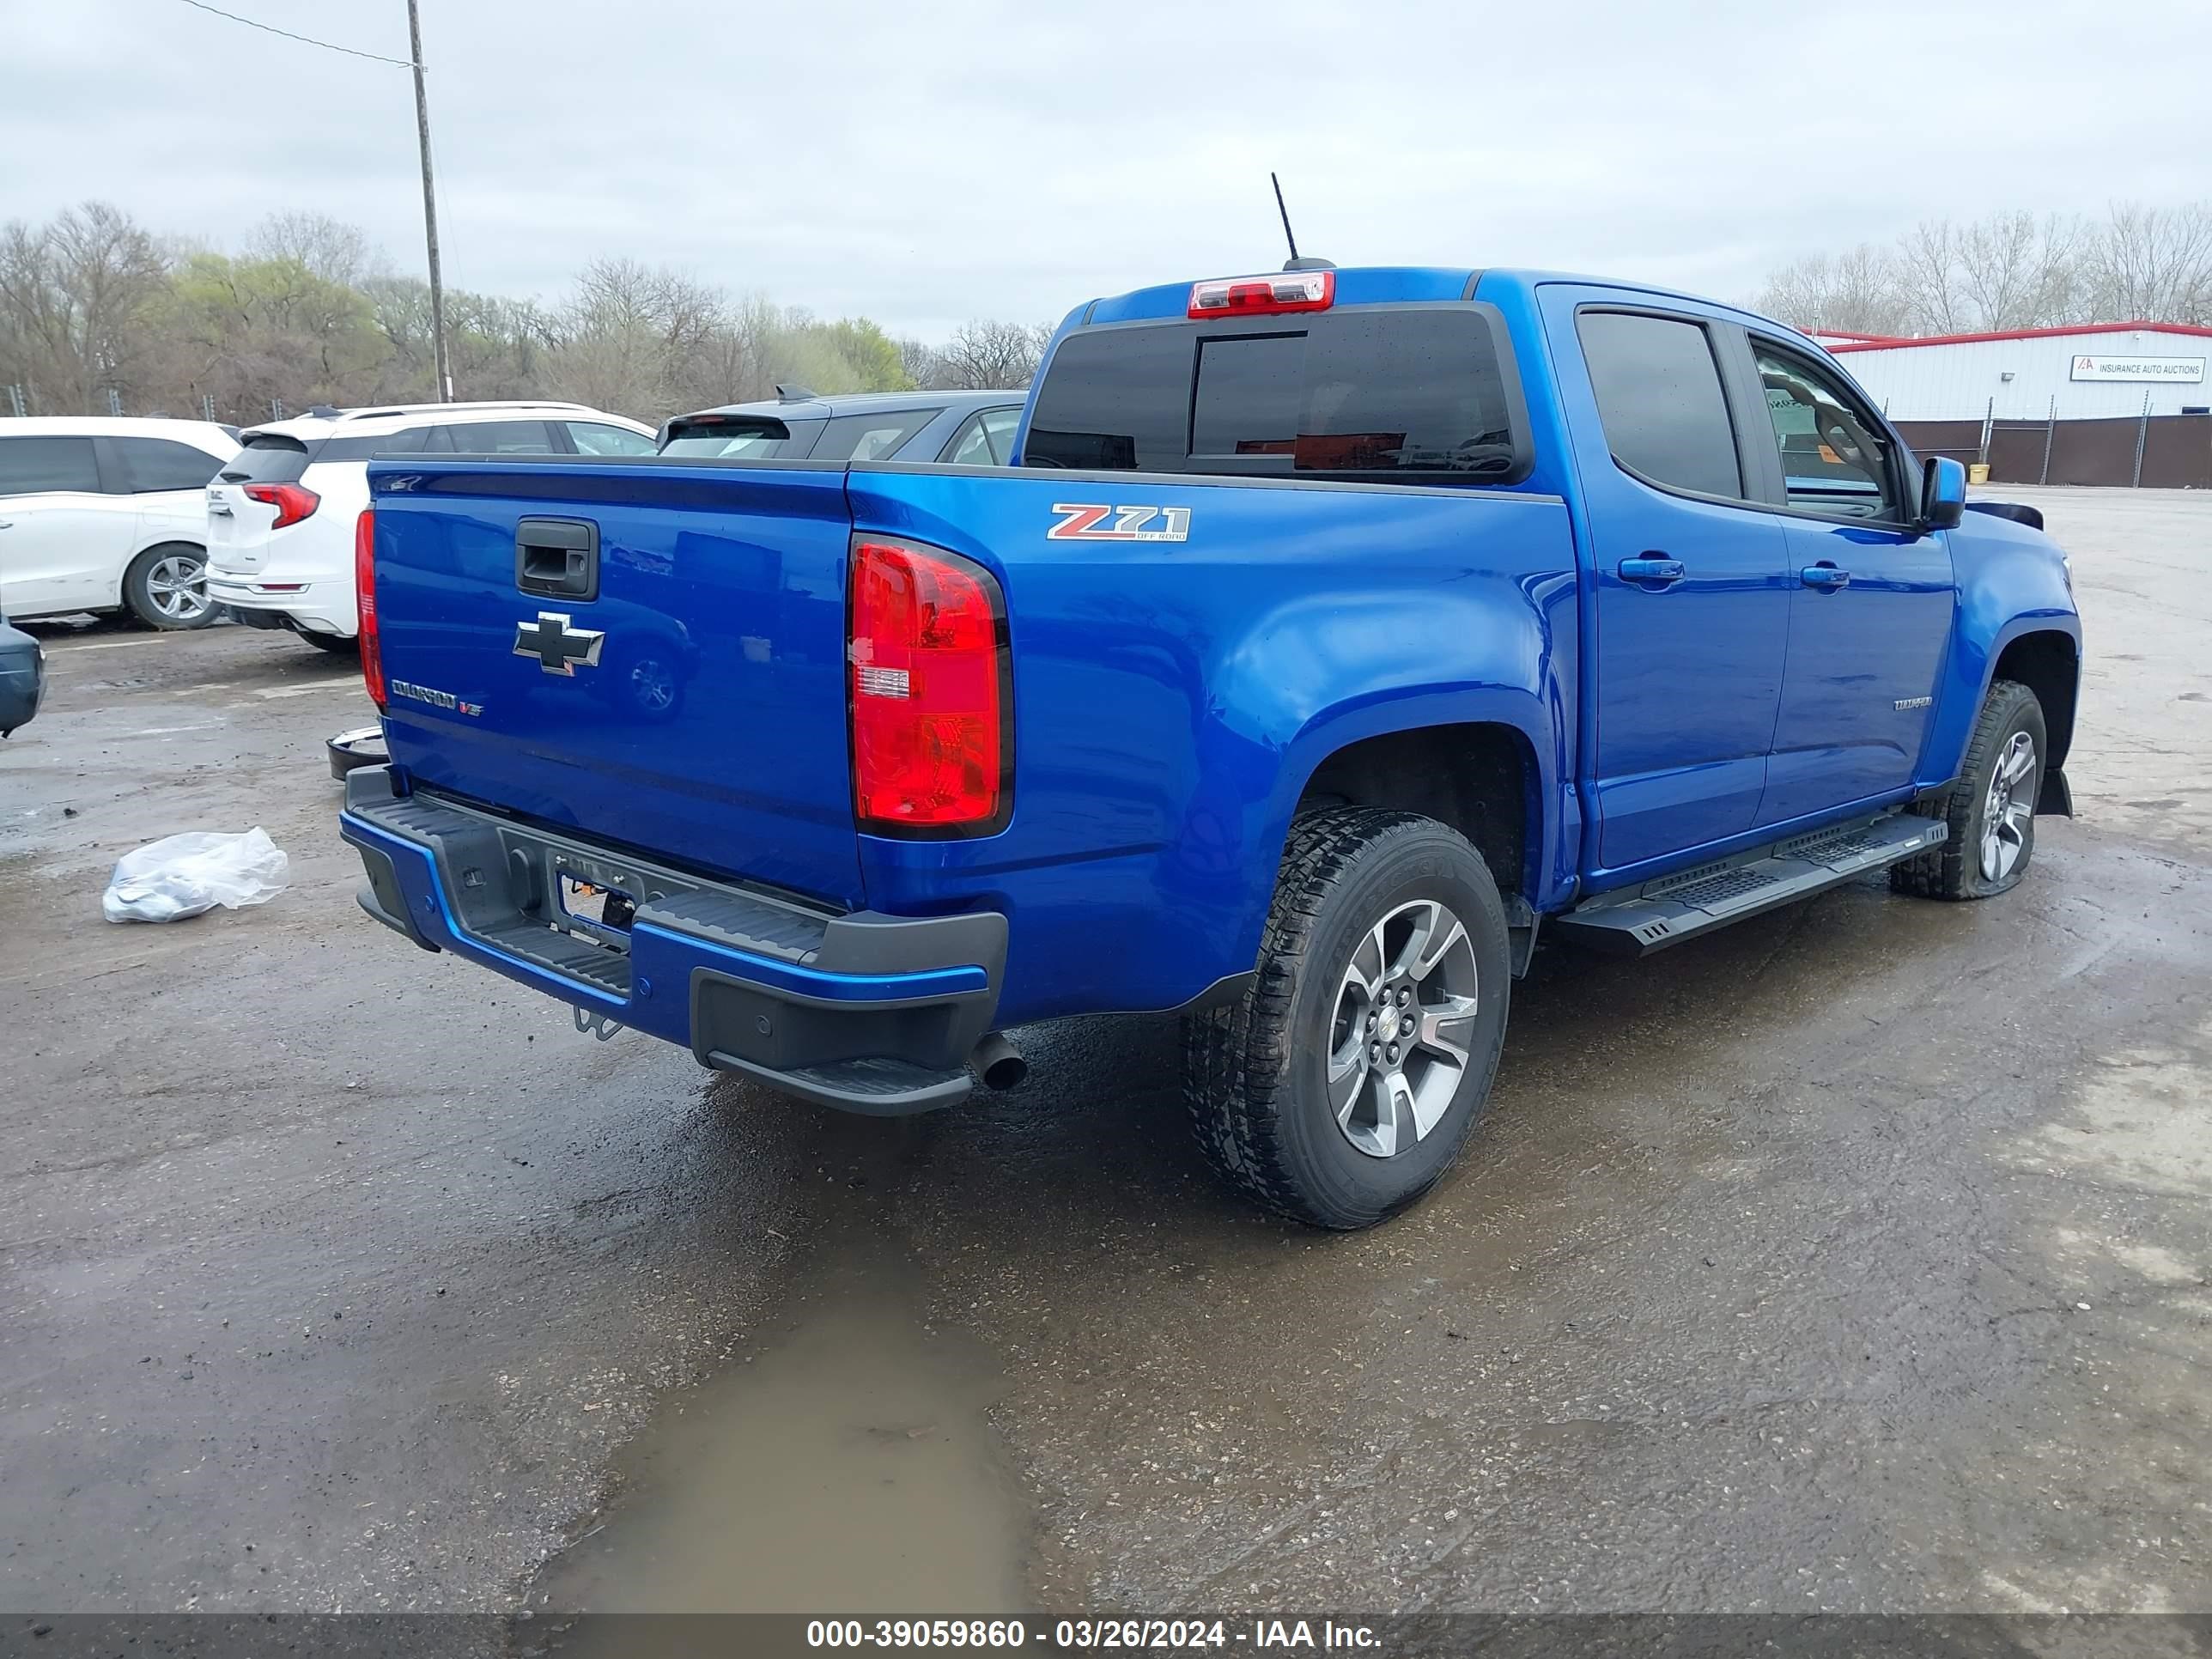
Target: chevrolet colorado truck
x,y
1333,632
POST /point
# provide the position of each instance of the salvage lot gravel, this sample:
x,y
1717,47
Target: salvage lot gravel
x,y
1855,1258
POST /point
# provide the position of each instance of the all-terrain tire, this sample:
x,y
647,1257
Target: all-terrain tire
x,y
1255,1072
1956,870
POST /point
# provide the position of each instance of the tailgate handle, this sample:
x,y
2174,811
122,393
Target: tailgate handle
x,y
558,558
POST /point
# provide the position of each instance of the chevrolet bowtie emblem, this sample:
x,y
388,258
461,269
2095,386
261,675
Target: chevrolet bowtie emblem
x,y
558,647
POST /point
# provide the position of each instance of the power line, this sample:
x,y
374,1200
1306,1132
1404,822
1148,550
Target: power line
x,y
271,28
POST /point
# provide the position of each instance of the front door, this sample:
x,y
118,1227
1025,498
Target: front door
x,y
1692,603
1874,599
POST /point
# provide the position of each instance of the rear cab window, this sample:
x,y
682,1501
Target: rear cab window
x,y
1415,394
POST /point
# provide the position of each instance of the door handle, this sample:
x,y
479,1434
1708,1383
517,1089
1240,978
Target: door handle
x,y
1824,576
7,524
1653,568
558,558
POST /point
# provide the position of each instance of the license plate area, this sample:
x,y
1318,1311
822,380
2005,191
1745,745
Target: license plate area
x,y
592,903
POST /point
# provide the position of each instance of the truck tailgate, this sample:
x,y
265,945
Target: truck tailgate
x,y
652,655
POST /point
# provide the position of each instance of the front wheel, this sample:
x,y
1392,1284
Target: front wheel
x,y
166,586
1991,810
1344,1084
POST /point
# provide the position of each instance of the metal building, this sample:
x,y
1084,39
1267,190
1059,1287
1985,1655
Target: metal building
x,y
2095,403
2093,371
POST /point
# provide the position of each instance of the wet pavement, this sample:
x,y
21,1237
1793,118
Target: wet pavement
x,y
1854,1258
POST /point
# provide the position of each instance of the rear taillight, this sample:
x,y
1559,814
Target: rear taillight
x,y
293,501
364,584
1264,296
930,693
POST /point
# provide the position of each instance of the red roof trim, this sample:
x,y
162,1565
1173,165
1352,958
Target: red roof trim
x,y
2026,334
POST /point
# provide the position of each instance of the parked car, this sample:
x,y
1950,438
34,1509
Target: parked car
x,y
101,513
961,428
281,515
1334,632
23,677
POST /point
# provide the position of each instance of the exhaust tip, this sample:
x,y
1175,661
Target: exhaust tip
x,y
998,1063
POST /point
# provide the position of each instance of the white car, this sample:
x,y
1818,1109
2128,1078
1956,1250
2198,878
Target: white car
x,y
280,516
105,514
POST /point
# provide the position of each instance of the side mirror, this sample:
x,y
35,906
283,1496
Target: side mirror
x,y
1942,493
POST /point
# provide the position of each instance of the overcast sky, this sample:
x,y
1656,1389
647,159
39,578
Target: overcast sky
x,y
924,163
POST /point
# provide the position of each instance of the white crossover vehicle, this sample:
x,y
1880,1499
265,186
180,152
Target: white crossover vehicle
x,y
104,512
280,516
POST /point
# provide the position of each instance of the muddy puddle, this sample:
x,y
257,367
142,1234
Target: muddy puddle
x,y
848,1466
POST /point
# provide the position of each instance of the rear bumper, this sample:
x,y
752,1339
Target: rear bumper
x,y
868,1012
22,678
306,610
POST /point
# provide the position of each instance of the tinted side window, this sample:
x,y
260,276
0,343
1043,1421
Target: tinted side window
x,y
30,465
501,438
1659,395
268,458
869,437
410,441
593,438
1417,394
1835,458
151,464
985,440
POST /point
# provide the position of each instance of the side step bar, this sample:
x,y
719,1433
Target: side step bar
x,y
1640,920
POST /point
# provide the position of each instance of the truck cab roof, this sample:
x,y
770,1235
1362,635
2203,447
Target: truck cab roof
x,y
1357,285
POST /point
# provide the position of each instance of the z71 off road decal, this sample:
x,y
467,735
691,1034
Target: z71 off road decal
x,y
1081,523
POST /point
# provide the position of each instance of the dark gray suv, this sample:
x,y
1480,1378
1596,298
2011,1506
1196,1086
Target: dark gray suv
x,y
959,429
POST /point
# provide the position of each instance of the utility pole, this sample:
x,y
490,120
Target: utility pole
x,y
430,210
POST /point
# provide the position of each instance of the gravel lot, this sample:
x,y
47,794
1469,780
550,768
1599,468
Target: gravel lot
x,y
1854,1259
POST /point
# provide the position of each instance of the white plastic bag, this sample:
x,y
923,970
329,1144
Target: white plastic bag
x,y
181,876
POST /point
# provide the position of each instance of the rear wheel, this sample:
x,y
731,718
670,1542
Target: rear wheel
x,y
1344,1084
166,586
336,644
1991,810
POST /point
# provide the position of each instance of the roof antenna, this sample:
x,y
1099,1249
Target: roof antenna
x,y
1294,262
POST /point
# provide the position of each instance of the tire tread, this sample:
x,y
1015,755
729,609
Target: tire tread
x,y
1952,871
1235,1059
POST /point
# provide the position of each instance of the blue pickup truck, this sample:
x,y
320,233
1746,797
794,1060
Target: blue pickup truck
x,y
1333,631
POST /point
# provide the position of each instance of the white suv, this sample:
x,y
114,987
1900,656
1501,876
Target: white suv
x,y
280,516
100,513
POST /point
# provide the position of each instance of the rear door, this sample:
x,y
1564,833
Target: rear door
x,y
239,527
678,687
64,541
1871,614
1692,611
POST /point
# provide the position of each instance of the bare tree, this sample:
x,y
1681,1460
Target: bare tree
x,y
75,299
1851,293
2152,263
988,356
627,334
335,252
2015,271
919,360
1927,277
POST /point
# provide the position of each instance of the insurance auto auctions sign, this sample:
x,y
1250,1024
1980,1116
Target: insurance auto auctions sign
x,y
2186,371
